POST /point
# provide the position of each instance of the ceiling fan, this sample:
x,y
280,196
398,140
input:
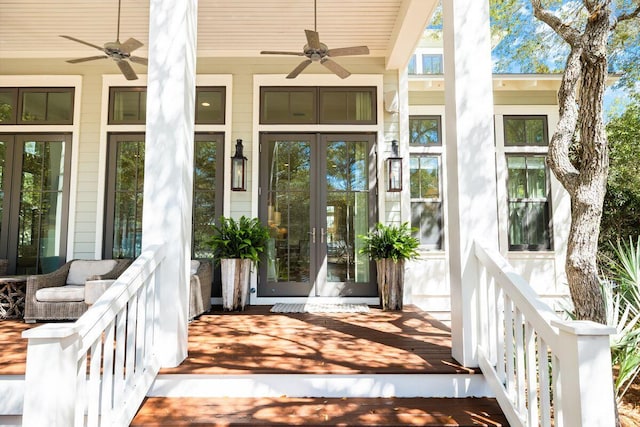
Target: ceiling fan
x,y
319,52
119,52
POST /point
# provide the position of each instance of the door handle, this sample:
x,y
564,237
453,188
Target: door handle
x,y
322,234
313,234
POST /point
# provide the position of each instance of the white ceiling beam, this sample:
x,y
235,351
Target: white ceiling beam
x,y
412,19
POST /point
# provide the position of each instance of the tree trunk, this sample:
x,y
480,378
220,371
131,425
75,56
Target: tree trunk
x,y
390,283
578,152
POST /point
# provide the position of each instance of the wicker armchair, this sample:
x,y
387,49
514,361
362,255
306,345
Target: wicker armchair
x,y
4,265
200,289
62,310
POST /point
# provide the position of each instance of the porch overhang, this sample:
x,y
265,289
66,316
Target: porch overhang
x,y
390,28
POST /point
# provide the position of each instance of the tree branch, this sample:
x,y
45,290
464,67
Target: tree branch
x,y
626,16
567,32
560,143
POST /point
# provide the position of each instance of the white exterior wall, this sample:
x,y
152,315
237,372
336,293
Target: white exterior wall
x,y
427,278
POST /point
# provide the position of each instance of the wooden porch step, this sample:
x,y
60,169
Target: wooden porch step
x,y
164,411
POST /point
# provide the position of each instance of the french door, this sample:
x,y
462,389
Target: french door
x,y
34,198
317,195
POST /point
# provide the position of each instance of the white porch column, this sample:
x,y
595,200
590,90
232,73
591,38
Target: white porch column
x,y
470,164
168,166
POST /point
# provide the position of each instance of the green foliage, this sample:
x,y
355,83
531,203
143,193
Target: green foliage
x,y
245,238
621,208
622,297
390,242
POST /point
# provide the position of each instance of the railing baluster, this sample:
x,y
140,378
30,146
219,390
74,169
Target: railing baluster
x,y
520,366
500,335
81,387
118,374
140,328
492,319
531,374
556,400
509,354
93,391
130,352
107,375
544,383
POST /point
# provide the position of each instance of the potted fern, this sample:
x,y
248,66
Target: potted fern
x,y
237,245
390,246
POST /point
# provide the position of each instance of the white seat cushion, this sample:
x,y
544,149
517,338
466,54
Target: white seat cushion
x,y
68,293
195,265
80,270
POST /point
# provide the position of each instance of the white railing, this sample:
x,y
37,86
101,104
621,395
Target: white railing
x,y
97,370
544,370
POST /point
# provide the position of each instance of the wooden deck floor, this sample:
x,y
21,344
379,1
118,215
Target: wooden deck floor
x,y
259,342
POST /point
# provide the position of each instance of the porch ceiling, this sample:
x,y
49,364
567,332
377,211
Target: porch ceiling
x,y
391,28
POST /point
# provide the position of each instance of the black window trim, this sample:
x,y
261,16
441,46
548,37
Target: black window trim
x,y
525,117
546,200
438,119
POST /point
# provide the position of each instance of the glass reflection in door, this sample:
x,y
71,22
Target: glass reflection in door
x,y
348,215
288,255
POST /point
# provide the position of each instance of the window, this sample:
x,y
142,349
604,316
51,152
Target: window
x,y
424,130
411,67
210,102
318,105
347,105
431,64
128,105
426,200
422,63
35,106
525,130
288,105
529,219
34,197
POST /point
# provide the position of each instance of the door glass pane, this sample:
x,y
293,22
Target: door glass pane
x,y
40,216
347,210
127,221
204,200
288,257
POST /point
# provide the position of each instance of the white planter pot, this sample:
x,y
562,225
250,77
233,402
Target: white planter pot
x,y
235,283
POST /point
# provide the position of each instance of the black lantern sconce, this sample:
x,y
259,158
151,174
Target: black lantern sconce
x,y
238,169
394,169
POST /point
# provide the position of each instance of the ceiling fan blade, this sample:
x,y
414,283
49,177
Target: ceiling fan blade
x,y
336,68
83,42
139,60
90,58
299,68
346,51
277,52
313,39
131,45
127,71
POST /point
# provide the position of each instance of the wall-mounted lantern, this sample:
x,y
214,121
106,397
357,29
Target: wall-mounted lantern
x,y
394,169
238,169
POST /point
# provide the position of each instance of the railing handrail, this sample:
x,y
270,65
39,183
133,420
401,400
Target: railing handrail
x,y
521,293
525,349
91,324
97,370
